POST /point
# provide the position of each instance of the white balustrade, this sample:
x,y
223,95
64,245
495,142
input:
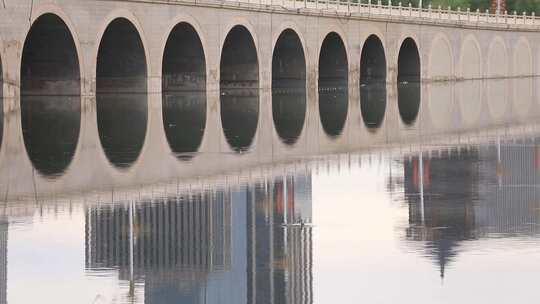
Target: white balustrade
x,y
377,9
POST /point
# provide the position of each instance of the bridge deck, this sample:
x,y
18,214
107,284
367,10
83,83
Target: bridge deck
x,y
396,12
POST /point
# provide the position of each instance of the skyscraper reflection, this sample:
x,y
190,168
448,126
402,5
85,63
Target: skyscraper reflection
x,y
484,192
247,245
442,214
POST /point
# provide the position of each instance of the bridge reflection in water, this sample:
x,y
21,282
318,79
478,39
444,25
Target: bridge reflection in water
x,y
126,139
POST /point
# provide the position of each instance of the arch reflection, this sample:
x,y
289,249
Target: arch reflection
x,y
184,119
333,85
288,87
239,117
470,93
409,89
373,82
239,84
497,91
523,93
50,126
122,120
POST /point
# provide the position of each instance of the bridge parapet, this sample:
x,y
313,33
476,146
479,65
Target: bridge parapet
x,y
394,11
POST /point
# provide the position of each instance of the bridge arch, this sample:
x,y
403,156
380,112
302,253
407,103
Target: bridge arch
x,y
497,90
409,77
289,70
187,19
250,29
523,62
497,65
469,91
470,59
122,71
373,81
112,54
333,84
50,90
441,59
239,82
184,81
52,9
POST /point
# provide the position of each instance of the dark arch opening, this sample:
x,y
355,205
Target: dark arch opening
x,y
408,81
239,88
121,100
333,84
50,95
184,91
288,86
373,82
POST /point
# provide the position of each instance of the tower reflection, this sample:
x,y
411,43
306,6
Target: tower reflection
x,y
441,216
484,192
196,248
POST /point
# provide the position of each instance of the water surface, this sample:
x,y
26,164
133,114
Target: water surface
x,y
411,194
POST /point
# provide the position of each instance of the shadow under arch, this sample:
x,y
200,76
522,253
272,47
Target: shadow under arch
x,y
333,84
289,86
184,96
408,81
50,95
239,88
373,82
121,93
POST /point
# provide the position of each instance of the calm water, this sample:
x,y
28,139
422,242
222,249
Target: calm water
x,y
433,203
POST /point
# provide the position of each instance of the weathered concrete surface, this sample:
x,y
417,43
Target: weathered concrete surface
x,y
447,51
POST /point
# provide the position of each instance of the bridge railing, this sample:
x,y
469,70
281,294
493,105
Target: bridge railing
x,y
395,10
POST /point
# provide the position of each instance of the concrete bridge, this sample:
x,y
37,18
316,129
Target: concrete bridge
x,y
100,41
106,89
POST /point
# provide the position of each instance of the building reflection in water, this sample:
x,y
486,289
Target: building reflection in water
x,y
484,192
255,241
